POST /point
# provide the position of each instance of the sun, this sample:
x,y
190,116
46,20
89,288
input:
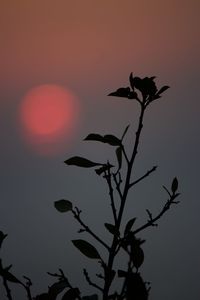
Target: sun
x,y
48,113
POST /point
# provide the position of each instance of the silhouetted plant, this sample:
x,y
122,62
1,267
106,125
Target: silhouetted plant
x,y
119,182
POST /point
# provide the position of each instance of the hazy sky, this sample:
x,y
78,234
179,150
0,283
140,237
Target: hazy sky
x,y
90,48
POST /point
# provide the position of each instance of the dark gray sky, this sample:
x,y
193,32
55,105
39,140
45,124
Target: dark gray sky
x,y
91,48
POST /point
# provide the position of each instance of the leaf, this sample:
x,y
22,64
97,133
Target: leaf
x,y
86,248
111,228
119,156
121,92
2,237
63,205
111,140
80,162
174,186
91,297
94,137
108,139
71,294
125,131
163,89
129,225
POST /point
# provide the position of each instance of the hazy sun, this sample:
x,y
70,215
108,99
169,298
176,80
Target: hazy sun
x,y
48,113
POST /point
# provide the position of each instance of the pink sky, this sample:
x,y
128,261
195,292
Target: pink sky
x,y
83,40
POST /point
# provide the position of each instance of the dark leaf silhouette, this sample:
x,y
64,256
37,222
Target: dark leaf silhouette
x,y
111,140
111,228
81,162
71,294
129,225
121,92
94,137
108,139
174,186
163,89
86,248
63,205
2,237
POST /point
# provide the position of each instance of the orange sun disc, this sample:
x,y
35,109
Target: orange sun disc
x,y
48,112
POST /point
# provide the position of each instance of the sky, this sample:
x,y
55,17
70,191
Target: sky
x,y
89,48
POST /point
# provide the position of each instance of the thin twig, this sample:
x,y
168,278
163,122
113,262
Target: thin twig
x,y
87,229
144,176
151,221
90,282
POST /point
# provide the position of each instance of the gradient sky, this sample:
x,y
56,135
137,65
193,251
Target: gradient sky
x,y
90,48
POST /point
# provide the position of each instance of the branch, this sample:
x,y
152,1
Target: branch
x,y
123,201
87,229
144,176
151,221
90,282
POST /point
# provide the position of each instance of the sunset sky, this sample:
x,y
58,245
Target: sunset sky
x,y
88,49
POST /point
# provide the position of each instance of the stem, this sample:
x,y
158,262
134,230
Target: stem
x,y
130,165
112,253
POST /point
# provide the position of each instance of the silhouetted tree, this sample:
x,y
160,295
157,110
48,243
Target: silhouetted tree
x,y
119,181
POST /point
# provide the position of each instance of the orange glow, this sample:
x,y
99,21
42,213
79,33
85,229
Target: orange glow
x,y
48,114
